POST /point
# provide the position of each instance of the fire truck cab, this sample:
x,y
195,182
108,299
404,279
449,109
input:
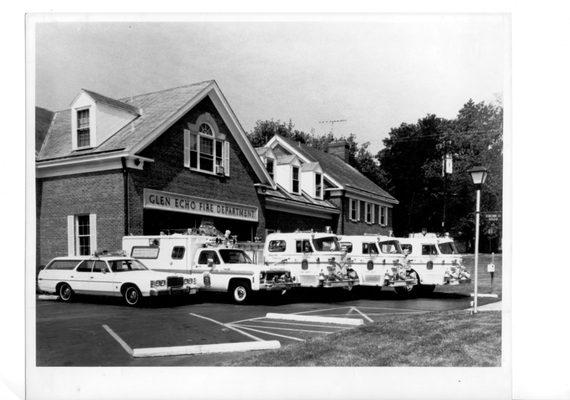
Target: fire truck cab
x,y
314,259
214,261
378,261
434,260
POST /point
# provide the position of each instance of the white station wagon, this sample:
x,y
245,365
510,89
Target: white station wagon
x,y
110,276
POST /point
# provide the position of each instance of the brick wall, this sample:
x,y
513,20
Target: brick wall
x,y
167,172
98,193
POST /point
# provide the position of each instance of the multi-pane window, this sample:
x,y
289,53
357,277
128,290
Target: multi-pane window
x,y
269,164
353,209
206,152
318,186
295,186
368,212
383,215
83,135
83,235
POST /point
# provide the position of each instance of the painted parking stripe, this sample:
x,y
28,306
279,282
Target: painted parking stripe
x,y
244,320
229,327
273,334
284,329
364,315
123,344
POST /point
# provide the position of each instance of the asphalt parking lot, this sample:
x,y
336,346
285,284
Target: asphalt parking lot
x,y
94,331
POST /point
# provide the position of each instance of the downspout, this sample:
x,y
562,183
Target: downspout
x,y
126,193
342,199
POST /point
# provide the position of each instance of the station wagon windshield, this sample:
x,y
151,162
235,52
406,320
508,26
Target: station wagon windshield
x,y
326,244
447,248
126,265
231,256
390,247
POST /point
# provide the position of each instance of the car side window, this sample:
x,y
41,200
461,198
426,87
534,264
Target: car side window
x,y
178,252
428,250
100,266
276,246
63,264
303,246
85,266
369,248
206,254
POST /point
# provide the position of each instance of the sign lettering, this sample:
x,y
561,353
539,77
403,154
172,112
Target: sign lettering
x,y
158,200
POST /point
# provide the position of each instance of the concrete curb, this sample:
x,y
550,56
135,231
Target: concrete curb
x,y
206,348
47,297
315,318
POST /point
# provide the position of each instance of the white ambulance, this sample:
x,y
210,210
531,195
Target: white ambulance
x,y
378,261
434,260
314,259
215,263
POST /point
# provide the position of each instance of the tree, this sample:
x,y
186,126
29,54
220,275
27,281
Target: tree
x,y
412,163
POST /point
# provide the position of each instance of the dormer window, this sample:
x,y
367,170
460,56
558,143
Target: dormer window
x,y
206,149
83,132
318,186
295,183
269,165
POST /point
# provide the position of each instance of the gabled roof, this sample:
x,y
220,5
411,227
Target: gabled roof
x,y
158,111
299,200
156,108
99,98
288,159
344,174
311,166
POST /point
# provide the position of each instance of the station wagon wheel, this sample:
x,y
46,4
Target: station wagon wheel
x,y
240,292
132,296
65,292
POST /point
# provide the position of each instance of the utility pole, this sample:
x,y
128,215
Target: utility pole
x,y
332,122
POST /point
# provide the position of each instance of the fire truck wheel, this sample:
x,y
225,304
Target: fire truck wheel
x,y
240,291
409,292
65,292
132,296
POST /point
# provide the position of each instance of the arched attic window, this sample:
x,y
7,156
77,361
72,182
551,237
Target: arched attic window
x,y
206,148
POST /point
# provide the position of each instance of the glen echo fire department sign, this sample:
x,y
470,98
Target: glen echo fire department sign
x,y
158,200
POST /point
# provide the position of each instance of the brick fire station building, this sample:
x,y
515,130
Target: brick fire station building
x,y
179,158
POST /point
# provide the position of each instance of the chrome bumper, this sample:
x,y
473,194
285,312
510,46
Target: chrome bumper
x,y
173,291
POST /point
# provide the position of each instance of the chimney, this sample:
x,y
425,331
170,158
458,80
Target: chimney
x,y
340,149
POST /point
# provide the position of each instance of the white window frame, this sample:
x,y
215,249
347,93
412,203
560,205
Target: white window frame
x,y
368,212
319,187
267,161
222,160
352,208
383,216
73,247
77,128
293,179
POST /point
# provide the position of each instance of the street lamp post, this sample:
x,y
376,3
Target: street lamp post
x,y
478,175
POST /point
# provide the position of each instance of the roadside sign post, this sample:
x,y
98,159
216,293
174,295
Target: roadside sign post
x,y
491,269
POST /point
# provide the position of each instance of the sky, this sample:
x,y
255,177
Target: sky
x,y
375,73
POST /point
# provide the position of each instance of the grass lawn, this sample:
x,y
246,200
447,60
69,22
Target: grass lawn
x,y
443,339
